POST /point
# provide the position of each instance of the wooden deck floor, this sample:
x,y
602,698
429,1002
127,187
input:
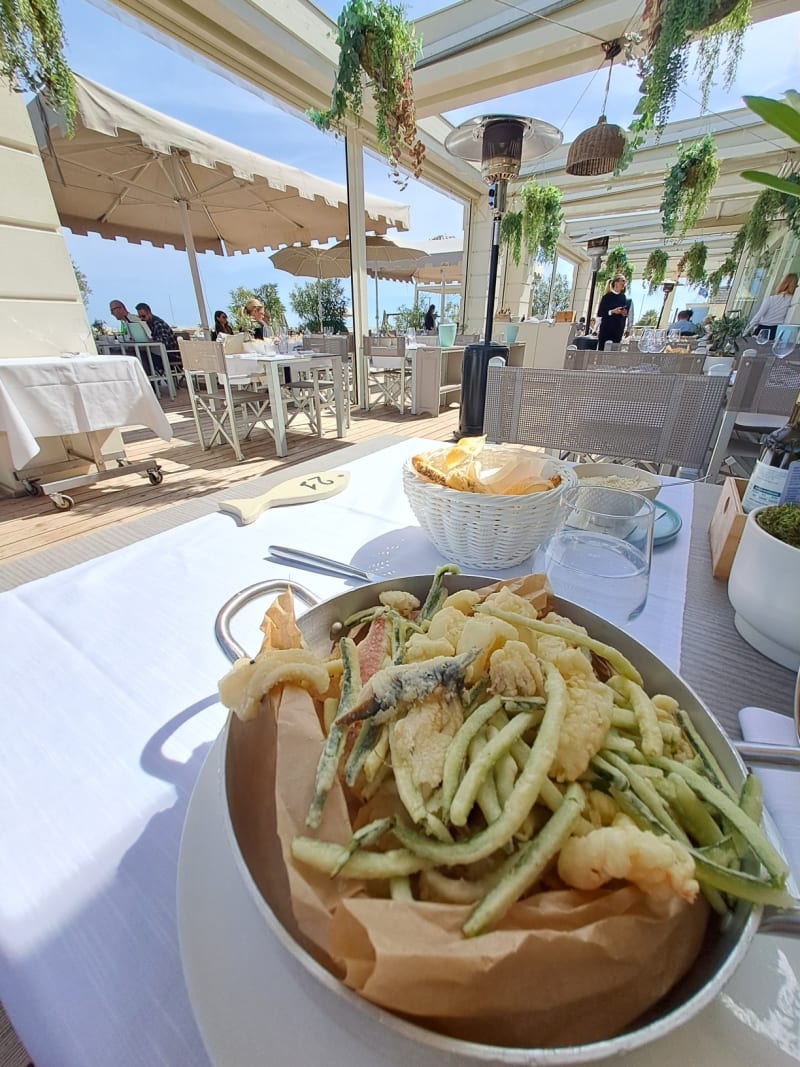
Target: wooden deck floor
x,y
29,524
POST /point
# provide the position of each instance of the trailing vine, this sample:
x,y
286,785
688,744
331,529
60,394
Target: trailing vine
x,y
32,53
511,234
688,186
694,263
720,24
375,39
655,269
541,218
536,226
616,263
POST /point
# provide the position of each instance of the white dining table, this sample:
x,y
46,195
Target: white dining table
x,y
110,703
314,363
52,396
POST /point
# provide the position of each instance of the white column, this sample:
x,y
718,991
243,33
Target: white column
x,y
354,157
477,246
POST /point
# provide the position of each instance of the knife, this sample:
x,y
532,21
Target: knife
x,y
321,563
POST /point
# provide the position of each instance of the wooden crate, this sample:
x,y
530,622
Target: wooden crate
x,y
726,526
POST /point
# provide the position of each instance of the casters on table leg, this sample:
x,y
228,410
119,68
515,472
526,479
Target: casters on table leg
x,y
62,502
155,475
32,488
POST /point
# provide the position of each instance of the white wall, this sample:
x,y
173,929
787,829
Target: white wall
x,y
41,311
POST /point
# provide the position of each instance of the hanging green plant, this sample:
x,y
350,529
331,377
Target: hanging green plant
x,y
784,116
541,218
375,39
655,269
688,186
616,263
673,24
695,263
32,53
511,234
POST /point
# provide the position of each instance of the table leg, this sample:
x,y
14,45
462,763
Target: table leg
x,y
721,444
274,372
338,366
317,399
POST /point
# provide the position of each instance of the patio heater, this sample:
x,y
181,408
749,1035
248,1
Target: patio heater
x,y
500,143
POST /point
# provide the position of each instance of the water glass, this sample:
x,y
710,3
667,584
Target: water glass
x,y
599,554
762,336
674,337
658,341
784,341
645,339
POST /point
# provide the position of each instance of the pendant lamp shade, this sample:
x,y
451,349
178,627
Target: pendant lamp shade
x,y
597,150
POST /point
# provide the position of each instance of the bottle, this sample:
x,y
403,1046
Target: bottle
x,y
123,331
776,476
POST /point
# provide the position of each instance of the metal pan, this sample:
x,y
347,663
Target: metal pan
x,y
249,756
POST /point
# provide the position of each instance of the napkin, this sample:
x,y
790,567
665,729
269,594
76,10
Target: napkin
x,y
781,788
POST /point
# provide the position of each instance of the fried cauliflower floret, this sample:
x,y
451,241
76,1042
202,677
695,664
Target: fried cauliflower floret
x,y
403,603
447,623
659,866
588,716
487,634
549,647
515,671
464,600
422,646
505,600
424,734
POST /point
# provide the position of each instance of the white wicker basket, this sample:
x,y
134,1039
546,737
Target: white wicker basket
x,y
483,530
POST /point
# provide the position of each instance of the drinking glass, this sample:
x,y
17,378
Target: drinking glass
x,y
674,337
645,339
599,554
658,341
784,341
762,337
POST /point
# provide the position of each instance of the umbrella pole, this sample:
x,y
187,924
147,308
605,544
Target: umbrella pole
x,y
319,297
377,307
190,249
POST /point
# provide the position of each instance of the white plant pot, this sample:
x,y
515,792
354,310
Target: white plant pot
x,y
764,590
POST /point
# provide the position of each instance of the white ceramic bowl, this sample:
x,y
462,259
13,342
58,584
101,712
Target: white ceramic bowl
x,y
649,484
764,590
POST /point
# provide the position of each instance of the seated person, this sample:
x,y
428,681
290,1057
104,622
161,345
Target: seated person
x,y
683,322
140,332
262,331
161,332
221,326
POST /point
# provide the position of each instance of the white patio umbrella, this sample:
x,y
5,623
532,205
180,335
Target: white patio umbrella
x,y
133,172
381,255
309,261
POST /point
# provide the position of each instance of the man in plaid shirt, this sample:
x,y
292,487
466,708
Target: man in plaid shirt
x,y
161,332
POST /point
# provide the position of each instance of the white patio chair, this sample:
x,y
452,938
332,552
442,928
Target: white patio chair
x,y
226,401
388,373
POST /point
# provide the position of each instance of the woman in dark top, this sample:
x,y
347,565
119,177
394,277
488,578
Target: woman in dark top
x,y
221,325
613,312
430,319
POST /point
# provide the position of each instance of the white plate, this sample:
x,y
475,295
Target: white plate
x,y
255,1004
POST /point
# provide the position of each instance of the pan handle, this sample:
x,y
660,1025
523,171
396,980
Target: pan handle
x,y
222,624
783,921
766,755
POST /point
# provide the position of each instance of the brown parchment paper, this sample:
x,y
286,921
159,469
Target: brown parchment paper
x,y
564,967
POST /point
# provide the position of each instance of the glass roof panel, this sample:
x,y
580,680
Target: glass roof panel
x,y
415,9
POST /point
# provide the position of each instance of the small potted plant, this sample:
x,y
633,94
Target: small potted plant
x,y
764,585
688,186
725,331
376,41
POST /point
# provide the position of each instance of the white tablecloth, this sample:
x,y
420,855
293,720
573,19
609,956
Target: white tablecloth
x,y
109,699
50,396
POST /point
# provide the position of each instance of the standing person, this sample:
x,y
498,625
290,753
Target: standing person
x,y
429,322
775,308
612,311
262,331
221,325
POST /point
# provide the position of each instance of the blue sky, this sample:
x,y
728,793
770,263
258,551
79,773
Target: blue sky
x,y
133,63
